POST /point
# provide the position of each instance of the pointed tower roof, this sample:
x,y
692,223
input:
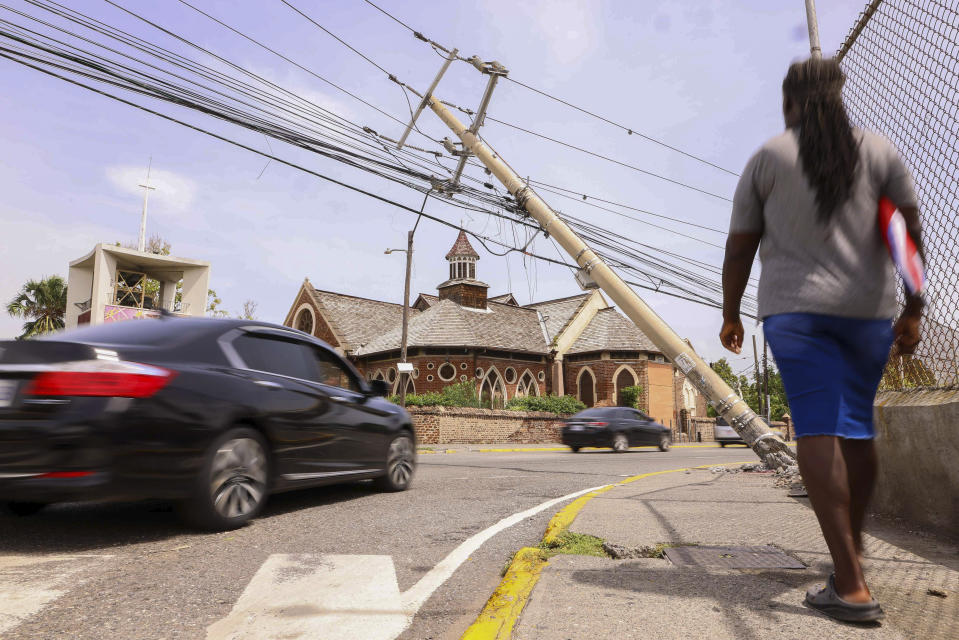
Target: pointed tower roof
x,y
462,248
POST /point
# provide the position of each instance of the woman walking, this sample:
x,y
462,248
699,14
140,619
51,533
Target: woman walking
x,y
808,201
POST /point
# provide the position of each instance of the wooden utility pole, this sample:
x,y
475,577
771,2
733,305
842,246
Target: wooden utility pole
x,y
759,387
767,445
815,51
769,412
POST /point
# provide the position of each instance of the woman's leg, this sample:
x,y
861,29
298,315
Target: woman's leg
x,y
861,467
826,476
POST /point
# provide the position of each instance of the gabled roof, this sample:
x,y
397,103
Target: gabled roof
x,y
462,247
506,298
558,313
611,331
425,300
354,320
447,324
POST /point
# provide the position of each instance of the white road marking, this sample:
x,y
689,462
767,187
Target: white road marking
x,y
29,583
320,597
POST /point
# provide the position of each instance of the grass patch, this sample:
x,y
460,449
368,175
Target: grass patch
x,y
579,544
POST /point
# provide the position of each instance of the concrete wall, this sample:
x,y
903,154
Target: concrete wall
x,y
448,425
917,437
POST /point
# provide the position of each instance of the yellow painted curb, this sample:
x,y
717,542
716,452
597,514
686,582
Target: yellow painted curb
x,y
554,449
502,610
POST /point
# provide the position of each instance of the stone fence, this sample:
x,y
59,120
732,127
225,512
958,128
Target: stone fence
x,y
461,425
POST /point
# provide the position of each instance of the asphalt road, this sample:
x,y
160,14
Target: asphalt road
x,y
132,571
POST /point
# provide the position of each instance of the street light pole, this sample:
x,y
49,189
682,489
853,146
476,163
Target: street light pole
x,y
404,380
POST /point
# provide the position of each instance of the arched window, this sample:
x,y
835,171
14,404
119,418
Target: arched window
x,y
527,385
304,320
586,387
410,387
379,375
493,390
625,377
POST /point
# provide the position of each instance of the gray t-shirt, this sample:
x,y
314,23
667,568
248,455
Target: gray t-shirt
x,y
841,268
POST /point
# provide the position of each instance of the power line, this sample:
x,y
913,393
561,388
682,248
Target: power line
x,y
177,95
609,159
628,130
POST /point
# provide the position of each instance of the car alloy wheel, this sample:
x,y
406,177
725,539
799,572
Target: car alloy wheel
x,y
238,477
400,464
620,443
664,443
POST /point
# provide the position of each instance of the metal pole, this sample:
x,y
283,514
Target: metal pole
x,y
426,96
404,380
815,51
769,447
142,240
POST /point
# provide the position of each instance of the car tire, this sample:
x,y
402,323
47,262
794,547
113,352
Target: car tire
x,y
722,445
620,443
400,464
24,509
664,443
232,485
575,449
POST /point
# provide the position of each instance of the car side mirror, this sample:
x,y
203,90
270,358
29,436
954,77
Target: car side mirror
x,y
379,388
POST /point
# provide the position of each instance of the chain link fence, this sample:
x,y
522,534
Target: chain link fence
x,y
901,59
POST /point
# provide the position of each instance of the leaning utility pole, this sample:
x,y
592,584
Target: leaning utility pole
x,y
767,445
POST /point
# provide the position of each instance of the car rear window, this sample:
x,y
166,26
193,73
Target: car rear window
x,y
283,357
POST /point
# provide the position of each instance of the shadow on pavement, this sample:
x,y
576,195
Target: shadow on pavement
x,y
90,526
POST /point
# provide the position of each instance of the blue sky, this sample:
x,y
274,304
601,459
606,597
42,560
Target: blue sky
x,y
701,75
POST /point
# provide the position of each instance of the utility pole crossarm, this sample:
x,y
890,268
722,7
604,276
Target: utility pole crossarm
x,y
769,447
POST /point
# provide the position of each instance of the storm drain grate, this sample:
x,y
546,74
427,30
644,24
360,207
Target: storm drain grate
x,y
764,557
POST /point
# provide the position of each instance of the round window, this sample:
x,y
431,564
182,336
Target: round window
x,y
430,365
304,322
416,374
510,375
479,372
463,366
541,376
446,371
429,378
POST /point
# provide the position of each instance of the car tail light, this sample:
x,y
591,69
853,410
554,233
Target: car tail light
x,y
597,424
66,474
100,378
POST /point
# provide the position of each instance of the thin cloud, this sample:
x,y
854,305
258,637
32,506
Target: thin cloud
x,y
175,194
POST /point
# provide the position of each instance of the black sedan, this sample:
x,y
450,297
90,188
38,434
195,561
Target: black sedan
x,y
212,414
616,427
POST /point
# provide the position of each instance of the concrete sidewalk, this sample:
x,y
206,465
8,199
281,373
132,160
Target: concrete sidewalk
x,y
915,578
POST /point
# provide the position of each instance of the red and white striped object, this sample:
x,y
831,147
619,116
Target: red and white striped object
x,y
901,246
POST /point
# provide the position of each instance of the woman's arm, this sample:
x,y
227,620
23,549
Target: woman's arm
x,y
740,252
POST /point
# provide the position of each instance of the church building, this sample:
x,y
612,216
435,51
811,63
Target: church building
x,y
578,345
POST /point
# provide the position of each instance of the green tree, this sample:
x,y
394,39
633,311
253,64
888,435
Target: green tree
x,y
42,303
630,396
213,303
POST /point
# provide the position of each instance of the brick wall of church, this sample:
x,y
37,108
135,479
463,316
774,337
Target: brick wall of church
x,y
427,368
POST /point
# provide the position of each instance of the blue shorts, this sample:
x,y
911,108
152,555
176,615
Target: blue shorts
x,y
831,368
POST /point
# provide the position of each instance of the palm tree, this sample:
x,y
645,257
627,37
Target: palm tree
x,y
42,303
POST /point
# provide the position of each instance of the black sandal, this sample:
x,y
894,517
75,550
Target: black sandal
x,y
827,601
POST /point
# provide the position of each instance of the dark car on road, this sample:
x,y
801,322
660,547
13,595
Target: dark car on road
x,y
616,427
212,414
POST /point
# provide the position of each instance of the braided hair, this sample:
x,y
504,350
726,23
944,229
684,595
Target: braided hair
x,y
827,148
